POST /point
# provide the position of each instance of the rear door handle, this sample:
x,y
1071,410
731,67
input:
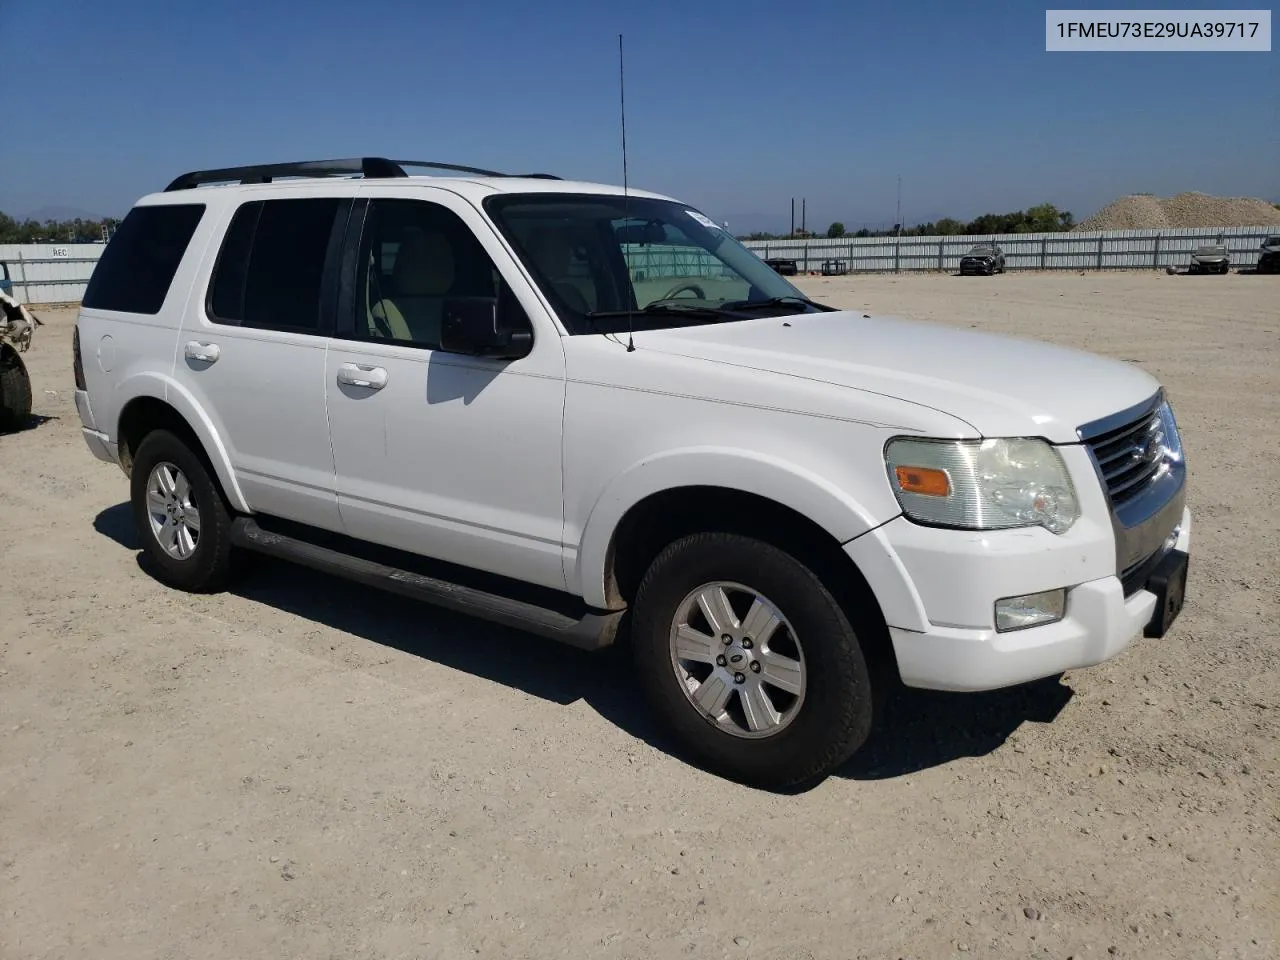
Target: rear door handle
x,y
204,352
358,375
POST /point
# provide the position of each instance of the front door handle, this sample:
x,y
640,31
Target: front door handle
x,y
358,375
204,352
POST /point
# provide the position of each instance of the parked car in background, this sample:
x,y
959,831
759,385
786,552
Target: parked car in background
x,y
1210,258
1269,258
982,258
784,267
17,324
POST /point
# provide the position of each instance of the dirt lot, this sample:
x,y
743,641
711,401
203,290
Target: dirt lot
x,y
305,768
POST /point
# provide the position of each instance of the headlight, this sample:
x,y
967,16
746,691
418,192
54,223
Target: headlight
x,y
982,484
1172,440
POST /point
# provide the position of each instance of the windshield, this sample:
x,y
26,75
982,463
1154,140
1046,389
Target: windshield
x,y
982,251
598,256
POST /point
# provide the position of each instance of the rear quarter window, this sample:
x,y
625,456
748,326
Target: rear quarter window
x,y
136,269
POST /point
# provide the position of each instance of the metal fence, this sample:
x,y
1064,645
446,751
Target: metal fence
x,y
54,273
1101,250
661,260
48,272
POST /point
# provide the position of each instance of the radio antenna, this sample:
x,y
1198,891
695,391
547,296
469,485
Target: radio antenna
x,y
626,196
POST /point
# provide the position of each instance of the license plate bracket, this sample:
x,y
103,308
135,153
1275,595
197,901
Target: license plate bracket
x,y
1169,583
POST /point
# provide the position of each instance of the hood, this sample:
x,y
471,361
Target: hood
x,y
999,385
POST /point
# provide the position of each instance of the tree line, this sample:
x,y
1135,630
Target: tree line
x,y
54,231
1043,218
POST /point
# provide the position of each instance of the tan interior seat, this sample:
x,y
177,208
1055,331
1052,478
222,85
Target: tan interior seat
x,y
421,279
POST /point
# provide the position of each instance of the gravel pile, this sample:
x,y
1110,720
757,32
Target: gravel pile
x,y
1145,212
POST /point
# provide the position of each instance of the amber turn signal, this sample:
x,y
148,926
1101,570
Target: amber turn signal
x,y
926,480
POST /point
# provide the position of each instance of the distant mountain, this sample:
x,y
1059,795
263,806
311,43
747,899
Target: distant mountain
x,y
60,213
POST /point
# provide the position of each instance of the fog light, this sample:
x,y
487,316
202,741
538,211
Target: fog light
x,y
1030,610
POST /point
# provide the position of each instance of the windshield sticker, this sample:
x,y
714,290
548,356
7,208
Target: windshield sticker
x,y
705,221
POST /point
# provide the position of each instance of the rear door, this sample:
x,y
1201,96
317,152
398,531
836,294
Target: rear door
x,y
252,351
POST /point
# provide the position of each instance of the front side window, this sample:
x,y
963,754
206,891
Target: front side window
x,y
414,257
599,258
270,270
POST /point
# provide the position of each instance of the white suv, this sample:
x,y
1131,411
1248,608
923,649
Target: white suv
x,y
570,408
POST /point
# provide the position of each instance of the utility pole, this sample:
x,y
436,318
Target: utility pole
x,y
803,201
792,234
898,217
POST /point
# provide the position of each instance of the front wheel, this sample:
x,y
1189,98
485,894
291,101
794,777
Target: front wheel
x,y
750,660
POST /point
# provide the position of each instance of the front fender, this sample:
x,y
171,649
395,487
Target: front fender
x,y
158,386
747,471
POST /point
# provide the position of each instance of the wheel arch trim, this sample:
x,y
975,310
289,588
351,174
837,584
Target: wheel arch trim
x,y
155,386
746,471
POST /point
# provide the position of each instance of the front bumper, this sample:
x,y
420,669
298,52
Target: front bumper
x,y
950,641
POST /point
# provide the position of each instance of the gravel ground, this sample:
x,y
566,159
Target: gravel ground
x,y
306,768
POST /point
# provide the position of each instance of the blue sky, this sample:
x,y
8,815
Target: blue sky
x,y
730,106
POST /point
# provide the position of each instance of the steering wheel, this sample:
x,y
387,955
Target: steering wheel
x,y
697,291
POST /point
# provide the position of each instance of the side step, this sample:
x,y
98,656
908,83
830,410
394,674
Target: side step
x,y
590,632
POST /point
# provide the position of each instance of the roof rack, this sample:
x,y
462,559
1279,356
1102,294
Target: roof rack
x,y
476,170
368,167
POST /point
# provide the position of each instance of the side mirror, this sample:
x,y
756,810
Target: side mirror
x,y
470,325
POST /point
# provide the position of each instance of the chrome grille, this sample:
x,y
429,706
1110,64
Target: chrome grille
x,y
1130,456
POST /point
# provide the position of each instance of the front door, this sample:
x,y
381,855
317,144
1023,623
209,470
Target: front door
x,y
444,455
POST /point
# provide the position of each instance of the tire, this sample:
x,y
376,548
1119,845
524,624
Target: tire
x,y
206,565
15,391
820,727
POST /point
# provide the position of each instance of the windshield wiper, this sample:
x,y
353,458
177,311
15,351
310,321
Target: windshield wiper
x,y
740,305
666,306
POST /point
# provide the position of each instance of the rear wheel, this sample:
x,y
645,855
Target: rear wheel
x,y
180,515
750,660
15,390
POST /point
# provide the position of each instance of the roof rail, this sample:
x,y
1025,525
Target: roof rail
x,y
368,167
265,172
449,166
476,170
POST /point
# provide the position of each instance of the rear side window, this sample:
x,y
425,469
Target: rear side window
x,y
136,269
270,270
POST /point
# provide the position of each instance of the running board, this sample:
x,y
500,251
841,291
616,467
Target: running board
x,y
591,632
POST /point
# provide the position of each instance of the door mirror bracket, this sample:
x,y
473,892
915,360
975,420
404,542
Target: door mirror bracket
x,y
471,325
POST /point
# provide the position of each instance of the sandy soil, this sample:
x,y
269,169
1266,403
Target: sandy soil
x,y
305,768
